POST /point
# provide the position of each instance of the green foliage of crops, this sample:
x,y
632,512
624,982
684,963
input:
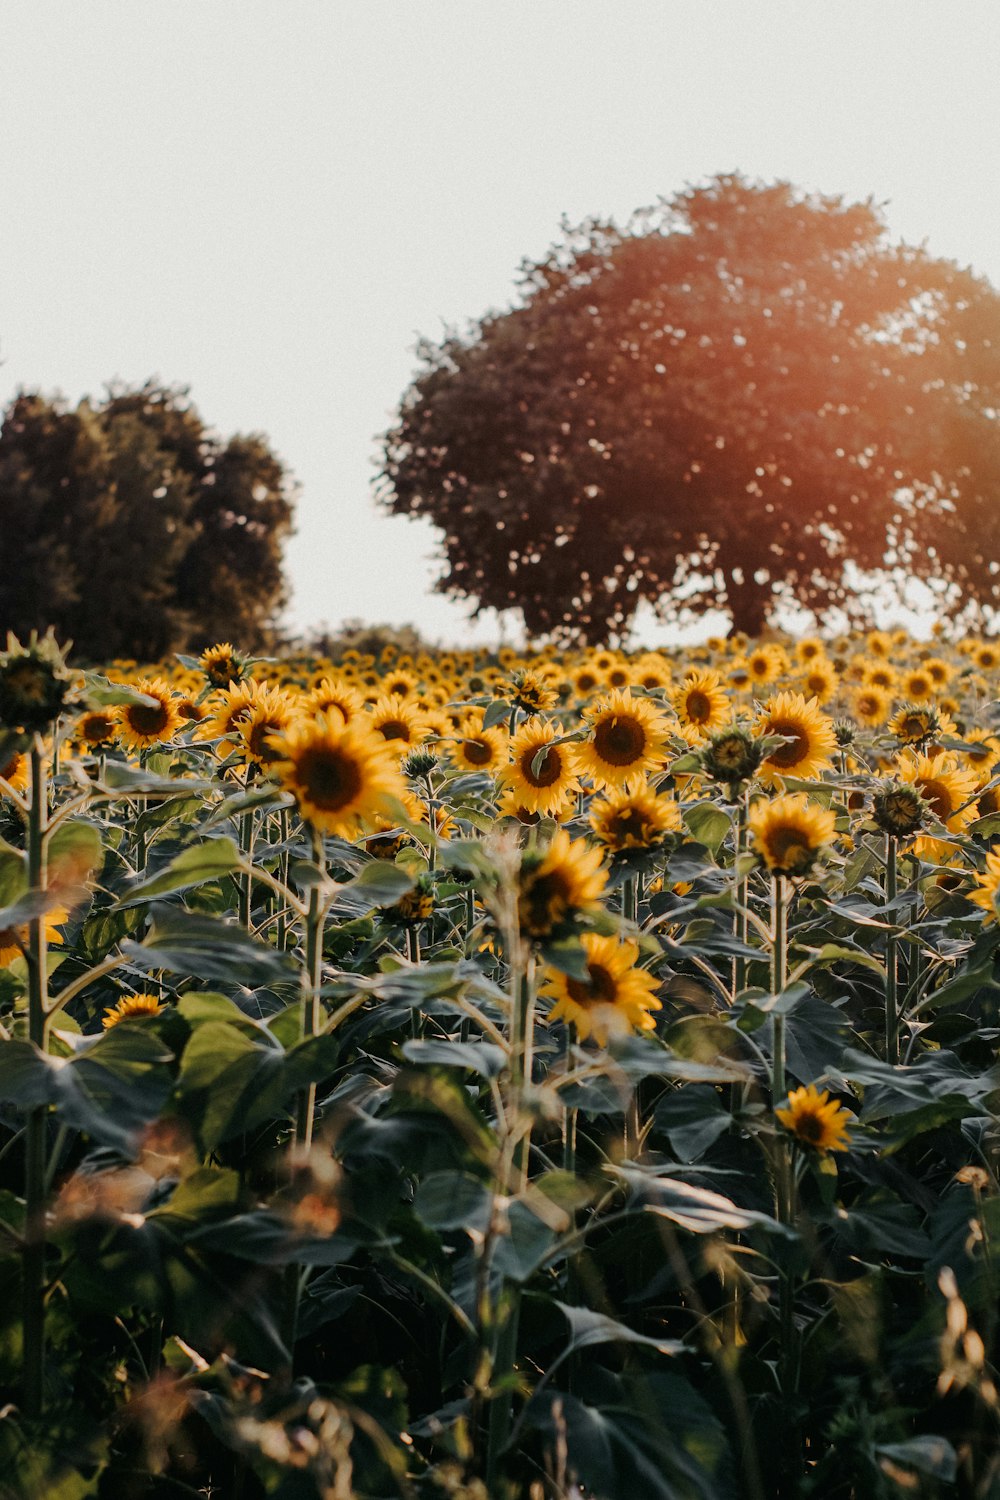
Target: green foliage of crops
x,y
568,1076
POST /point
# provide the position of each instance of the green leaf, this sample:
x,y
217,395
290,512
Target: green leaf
x,y
929,1454
100,693
707,824
194,866
588,1328
379,883
207,948
454,1200
696,1209
484,1058
694,1119
496,713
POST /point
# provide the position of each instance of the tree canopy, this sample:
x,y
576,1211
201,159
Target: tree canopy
x,y
133,529
719,404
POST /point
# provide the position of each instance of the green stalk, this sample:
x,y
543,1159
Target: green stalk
x,y
891,1000
779,978
312,982
33,1313
741,926
630,900
246,884
413,954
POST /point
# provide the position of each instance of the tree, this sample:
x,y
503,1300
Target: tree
x,y
136,531
719,404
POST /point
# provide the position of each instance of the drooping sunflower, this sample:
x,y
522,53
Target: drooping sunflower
x,y
627,737
615,1000
530,691
701,702
132,1008
810,735
634,817
341,776
949,791
35,685
142,725
987,891
789,833
816,1120
542,776
556,885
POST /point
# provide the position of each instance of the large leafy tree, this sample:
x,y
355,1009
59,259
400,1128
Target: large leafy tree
x,y
135,530
720,404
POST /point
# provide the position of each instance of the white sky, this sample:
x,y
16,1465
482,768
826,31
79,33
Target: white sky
x,y
268,202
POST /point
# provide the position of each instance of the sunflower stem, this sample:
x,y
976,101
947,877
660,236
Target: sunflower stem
x,y
33,1306
891,1001
246,884
413,954
312,982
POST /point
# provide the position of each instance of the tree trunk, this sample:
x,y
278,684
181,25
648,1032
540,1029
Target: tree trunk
x,y
749,603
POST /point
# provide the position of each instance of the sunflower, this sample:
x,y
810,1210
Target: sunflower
x,y
141,725
96,728
652,672
766,664
400,724
789,832
820,680
815,1119
274,711
132,1008
556,885
635,818
987,891
809,649
399,683
542,775
16,770
810,735
916,724
14,940
530,692
341,776
879,643
870,705
878,674
333,693
898,808
949,791
475,748
627,737
917,685
985,656
731,755
614,1000
701,702
586,680
223,665
34,684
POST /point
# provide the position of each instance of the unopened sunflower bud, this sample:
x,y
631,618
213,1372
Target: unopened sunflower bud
x,y
731,755
898,809
34,684
844,731
419,764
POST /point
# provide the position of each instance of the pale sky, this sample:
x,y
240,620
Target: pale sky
x,y
268,202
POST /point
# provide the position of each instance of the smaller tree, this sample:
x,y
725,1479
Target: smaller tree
x,y
138,530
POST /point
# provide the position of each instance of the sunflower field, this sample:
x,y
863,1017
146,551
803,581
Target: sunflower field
x,y
498,1076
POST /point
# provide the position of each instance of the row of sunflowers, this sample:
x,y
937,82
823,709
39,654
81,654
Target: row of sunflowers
x,y
492,1074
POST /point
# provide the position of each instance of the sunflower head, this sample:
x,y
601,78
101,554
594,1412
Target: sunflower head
x,y
141,725
223,665
627,737
416,905
530,692
987,889
132,1008
808,735
34,684
615,998
634,820
731,755
341,776
790,833
898,808
557,886
915,724
419,764
816,1120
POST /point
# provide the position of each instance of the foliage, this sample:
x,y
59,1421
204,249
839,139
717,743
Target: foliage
x,y
719,404
138,530
314,1183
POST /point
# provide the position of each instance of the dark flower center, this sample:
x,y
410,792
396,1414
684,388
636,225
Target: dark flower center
x,y
330,779
620,741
